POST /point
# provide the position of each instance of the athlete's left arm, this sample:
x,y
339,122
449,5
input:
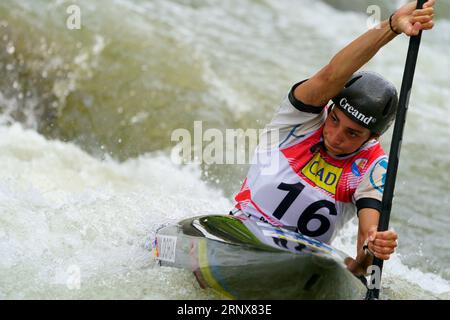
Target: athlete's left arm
x,y
380,244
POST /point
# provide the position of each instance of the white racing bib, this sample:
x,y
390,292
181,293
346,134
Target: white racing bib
x,y
312,192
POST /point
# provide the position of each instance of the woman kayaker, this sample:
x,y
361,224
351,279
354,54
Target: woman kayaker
x,y
326,163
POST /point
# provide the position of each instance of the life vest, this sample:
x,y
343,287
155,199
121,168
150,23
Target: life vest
x,y
302,186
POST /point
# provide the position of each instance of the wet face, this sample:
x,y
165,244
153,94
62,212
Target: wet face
x,y
342,135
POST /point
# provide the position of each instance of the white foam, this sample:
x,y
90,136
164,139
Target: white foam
x,y
64,210
395,273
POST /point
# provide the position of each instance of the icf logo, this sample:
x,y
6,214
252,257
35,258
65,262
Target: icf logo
x,y
380,166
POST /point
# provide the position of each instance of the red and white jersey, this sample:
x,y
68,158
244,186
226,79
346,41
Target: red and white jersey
x,y
294,182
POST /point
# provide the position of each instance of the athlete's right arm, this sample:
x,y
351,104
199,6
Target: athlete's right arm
x,y
330,80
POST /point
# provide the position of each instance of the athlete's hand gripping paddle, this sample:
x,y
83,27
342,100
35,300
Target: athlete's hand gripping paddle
x,y
394,155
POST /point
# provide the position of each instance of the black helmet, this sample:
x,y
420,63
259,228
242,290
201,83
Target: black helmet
x,y
370,100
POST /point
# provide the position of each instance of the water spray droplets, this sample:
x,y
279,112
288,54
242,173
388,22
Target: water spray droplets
x,y
10,49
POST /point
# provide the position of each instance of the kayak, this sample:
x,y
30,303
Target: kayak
x,y
242,258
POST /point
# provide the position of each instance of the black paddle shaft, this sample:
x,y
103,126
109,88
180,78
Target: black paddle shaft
x,y
394,153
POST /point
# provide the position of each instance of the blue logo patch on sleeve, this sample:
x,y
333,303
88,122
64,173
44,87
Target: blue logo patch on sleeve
x,y
379,185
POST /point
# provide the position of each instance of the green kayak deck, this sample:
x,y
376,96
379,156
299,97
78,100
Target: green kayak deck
x,y
241,258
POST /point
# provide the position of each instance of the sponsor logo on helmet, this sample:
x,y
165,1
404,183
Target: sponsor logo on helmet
x,y
355,113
